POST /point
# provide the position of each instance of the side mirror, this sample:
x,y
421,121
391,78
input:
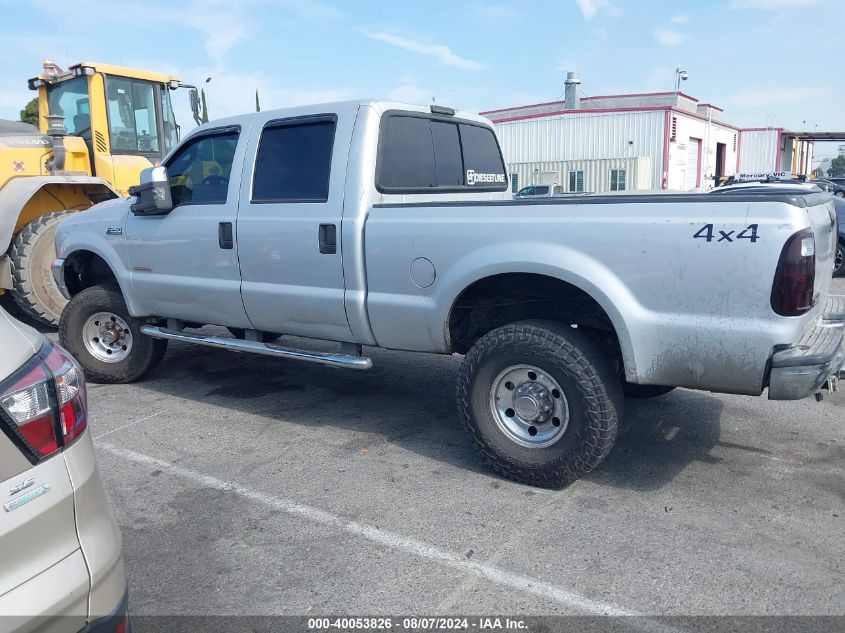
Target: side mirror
x,y
153,193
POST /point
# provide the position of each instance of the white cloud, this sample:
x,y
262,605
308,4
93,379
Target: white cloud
x,y
764,97
441,53
670,38
680,19
589,8
774,5
410,93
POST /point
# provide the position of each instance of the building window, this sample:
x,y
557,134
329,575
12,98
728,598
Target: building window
x,y
617,180
576,180
514,182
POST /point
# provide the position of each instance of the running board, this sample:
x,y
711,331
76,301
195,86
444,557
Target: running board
x,y
254,347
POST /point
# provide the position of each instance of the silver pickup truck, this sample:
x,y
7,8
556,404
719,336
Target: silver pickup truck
x,y
386,225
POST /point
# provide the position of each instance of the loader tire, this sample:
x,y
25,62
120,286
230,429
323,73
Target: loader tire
x,y
33,287
105,339
541,401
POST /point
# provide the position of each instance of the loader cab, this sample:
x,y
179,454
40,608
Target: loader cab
x,y
125,116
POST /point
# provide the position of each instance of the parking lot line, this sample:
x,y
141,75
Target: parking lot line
x,y
126,426
390,540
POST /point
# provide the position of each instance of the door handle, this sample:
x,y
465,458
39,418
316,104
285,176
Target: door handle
x,y
328,239
224,235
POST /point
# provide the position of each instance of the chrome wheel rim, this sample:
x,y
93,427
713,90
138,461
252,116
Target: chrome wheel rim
x,y
529,406
107,337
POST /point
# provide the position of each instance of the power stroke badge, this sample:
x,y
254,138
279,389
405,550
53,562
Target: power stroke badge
x,y
32,495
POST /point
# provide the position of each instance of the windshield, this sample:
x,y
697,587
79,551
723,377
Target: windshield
x,y
70,100
133,116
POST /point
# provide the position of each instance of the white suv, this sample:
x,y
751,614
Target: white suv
x,y
60,548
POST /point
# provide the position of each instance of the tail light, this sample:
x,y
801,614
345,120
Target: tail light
x,y
794,285
44,405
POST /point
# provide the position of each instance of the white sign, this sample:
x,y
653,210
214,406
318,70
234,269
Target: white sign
x,y
474,178
772,175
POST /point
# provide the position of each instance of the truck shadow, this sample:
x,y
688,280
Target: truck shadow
x,y
408,400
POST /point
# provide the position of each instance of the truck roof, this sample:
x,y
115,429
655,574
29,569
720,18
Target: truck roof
x,y
349,107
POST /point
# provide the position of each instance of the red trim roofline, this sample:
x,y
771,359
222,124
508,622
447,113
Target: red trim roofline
x,y
641,94
710,105
632,94
540,115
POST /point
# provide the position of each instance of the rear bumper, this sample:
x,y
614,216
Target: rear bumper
x,y
801,369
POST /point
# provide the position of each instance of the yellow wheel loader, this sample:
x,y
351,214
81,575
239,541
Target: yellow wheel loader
x,y
99,126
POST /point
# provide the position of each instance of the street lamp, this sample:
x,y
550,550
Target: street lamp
x,y
680,75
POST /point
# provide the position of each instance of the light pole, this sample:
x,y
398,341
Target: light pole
x,y
680,75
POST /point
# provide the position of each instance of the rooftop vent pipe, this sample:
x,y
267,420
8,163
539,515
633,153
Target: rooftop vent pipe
x,y
571,101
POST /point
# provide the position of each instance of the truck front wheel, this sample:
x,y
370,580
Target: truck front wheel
x,y
105,339
541,401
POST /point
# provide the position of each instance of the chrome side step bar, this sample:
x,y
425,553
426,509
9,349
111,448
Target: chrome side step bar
x,y
236,345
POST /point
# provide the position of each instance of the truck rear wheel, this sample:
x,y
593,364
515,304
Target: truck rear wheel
x,y
105,339
541,401
31,256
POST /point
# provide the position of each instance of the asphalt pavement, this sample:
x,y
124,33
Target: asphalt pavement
x,y
249,485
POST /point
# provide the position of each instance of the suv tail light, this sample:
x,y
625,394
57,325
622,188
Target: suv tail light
x,y
44,405
794,285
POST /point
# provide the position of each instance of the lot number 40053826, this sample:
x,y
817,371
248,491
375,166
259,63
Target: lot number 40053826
x,y
706,232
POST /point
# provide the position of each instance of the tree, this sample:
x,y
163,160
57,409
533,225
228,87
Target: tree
x,y
29,114
837,166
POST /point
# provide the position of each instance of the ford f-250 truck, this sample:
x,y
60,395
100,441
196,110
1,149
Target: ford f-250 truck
x,y
387,225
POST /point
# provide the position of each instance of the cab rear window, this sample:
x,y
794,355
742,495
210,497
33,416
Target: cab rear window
x,y
419,154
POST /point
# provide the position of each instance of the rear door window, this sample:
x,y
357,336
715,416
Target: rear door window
x,y
420,154
294,161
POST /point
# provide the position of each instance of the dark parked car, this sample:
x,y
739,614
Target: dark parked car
x,y
829,184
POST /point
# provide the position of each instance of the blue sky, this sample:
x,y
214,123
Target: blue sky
x,y
767,62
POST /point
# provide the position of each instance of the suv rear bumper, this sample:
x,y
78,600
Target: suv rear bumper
x,y
801,369
115,622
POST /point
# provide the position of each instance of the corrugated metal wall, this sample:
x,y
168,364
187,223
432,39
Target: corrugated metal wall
x,y
638,173
757,151
589,136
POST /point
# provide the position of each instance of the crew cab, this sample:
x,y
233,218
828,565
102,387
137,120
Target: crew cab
x,y
379,224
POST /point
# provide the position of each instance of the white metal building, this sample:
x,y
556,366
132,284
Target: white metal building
x,y
665,140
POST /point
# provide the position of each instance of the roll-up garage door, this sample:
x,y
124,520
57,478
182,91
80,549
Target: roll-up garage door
x,y
693,151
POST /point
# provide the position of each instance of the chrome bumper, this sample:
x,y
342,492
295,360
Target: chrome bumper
x,y
58,269
801,370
